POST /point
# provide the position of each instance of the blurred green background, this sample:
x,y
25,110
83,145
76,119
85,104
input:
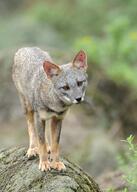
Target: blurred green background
x,y
107,31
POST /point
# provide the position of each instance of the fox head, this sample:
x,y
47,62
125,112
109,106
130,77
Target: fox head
x,y
69,80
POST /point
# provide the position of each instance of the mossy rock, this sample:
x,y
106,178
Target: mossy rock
x,y
19,174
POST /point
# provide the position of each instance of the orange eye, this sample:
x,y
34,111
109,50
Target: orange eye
x,y
66,87
79,83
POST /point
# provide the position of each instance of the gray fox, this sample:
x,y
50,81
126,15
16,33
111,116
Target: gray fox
x,y
47,91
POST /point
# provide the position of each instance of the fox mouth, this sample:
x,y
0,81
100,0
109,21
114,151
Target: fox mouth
x,y
66,100
75,101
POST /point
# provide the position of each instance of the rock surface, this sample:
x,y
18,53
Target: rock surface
x,y
18,174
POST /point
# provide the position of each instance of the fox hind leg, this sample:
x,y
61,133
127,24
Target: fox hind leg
x,y
33,146
29,113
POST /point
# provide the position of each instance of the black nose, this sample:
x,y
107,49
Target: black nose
x,y
78,99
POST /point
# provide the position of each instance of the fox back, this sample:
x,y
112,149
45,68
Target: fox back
x,y
46,85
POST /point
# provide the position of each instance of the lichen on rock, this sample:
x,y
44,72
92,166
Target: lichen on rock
x,y
18,174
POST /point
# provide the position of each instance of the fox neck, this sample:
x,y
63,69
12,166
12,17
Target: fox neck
x,y
51,101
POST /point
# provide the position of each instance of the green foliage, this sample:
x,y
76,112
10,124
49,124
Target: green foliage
x,y
70,18
80,18
129,165
52,14
110,190
115,54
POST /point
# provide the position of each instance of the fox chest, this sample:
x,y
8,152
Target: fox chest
x,y
45,115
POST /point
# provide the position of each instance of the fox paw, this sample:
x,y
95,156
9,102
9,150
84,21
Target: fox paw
x,y
58,166
44,165
32,152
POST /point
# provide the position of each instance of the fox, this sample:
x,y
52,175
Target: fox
x,y
46,91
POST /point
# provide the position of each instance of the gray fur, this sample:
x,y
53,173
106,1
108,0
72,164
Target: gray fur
x,y
41,92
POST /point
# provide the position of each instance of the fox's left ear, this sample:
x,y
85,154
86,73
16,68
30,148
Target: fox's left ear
x,y
80,60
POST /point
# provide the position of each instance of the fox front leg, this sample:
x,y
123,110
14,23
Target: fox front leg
x,y
44,164
55,137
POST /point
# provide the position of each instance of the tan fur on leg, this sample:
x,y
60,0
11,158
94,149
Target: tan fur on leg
x,y
55,136
33,145
44,164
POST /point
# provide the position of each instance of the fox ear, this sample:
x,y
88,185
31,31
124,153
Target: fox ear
x,y
80,60
51,69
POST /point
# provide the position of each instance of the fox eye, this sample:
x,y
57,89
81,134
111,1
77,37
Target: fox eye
x,y
66,87
79,83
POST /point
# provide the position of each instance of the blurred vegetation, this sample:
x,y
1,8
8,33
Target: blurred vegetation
x,y
115,54
128,164
107,30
